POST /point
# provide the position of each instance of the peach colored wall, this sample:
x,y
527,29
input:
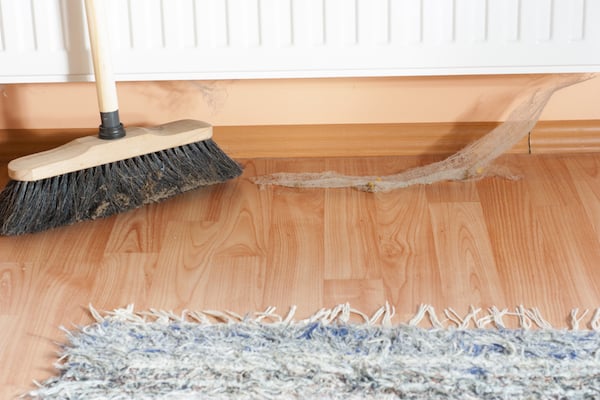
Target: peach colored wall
x,y
291,101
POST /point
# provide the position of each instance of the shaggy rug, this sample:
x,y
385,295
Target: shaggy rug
x,y
197,355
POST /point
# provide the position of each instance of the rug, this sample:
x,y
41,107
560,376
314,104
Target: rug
x,y
197,355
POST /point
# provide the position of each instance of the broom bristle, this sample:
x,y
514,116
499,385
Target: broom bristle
x,y
27,207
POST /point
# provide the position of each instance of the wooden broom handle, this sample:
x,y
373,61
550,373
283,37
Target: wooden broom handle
x,y
105,82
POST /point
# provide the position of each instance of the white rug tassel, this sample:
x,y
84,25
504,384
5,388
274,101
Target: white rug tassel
x,y
575,320
269,313
199,317
342,313
435,322
361,314
127,314
220,316
498,316
373,320
416,320
453,316
535,315
95,314
524,320
290,315
595,323
390,311
319,316
463,323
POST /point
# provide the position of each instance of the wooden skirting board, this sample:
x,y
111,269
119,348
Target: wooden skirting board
x,y
274,141
397,139
565,137
352,140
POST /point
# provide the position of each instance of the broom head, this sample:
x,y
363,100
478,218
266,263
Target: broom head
x,y
91,178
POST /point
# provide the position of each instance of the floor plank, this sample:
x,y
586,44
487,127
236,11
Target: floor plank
x,y
468,271
407,250
585,171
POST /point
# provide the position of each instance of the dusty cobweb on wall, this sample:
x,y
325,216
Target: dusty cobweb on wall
x,y
475,161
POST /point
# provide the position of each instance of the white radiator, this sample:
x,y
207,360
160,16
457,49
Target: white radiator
x,y
45,40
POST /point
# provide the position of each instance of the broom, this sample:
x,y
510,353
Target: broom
x,y
94,177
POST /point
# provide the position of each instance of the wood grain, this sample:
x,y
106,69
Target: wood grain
x,y
352,140
585,171
236,246
355,256
407,250
565,137
468,271
295,259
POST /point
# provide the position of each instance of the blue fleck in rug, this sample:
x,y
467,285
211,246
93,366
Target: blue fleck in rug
x,y
159,355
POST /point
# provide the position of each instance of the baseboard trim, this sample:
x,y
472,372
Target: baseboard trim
x,y
565,137
352,140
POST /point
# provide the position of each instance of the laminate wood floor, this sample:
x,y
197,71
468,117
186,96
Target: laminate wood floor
x,y
234,246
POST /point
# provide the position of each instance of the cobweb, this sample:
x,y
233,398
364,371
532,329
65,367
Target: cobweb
x,y
472,162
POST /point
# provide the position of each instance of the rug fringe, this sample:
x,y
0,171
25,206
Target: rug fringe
x,y
595,323
527,318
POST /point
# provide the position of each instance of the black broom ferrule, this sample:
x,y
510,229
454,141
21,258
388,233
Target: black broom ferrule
x,y
111,127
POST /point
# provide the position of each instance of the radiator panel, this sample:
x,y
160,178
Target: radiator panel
x,y
46,40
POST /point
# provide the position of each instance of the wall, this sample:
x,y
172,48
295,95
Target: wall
x,y
291,101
